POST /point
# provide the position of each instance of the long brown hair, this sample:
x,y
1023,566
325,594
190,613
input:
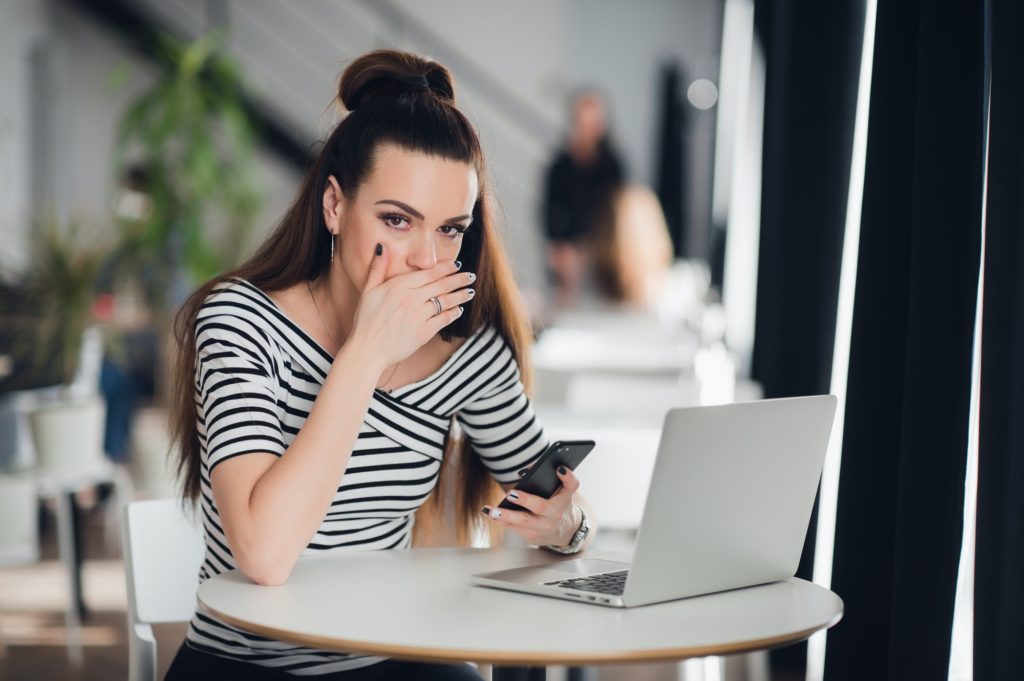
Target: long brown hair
x,y
402,99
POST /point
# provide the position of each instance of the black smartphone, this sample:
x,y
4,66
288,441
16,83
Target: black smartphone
x,y
542,479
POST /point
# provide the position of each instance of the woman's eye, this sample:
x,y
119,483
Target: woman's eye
x,y
394,220
452,230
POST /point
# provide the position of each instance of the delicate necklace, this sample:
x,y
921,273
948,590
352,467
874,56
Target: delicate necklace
x,y
323,321
319,314
388,379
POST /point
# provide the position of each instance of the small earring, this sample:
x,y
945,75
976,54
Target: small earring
x,y
332,247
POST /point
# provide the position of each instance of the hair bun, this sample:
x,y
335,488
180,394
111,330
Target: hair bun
x,y
384,75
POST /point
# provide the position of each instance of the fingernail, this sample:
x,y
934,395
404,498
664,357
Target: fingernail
x,y
458,264
485,510
472,277
522,472
379,249
470,292
460,310
496,513
513,495
562,470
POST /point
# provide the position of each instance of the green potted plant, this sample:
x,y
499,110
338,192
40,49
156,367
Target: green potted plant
x,y
50,328
188,197
185,148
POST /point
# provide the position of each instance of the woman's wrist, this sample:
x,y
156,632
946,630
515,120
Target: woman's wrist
x,y
578,538
362,354
359,363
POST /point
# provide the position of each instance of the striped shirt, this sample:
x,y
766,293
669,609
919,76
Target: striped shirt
x,y
256,377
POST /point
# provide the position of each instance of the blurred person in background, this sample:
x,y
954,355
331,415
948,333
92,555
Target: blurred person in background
x,y
317,384
631,250
578,189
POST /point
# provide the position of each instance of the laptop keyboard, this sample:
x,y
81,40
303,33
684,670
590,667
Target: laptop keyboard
x,y
613,583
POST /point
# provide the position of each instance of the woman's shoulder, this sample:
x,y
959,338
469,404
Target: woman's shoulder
x,y
234,295
488,345
234,306
486,333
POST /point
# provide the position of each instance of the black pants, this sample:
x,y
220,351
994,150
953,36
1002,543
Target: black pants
x,y
191,665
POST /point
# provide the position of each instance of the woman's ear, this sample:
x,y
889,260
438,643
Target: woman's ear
x,y
334,205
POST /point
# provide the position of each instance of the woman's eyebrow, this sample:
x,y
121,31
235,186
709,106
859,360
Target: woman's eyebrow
x,y
418,215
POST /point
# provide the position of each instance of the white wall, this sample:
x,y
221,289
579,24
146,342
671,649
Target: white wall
x,y
22,24
544,50
620,46
82,58
539,49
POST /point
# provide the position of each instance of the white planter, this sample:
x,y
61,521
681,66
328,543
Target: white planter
x,y
68,435
19,528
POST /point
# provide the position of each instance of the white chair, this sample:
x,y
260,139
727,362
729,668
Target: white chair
x,y
163,549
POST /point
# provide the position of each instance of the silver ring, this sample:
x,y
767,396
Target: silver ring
x,y
437,305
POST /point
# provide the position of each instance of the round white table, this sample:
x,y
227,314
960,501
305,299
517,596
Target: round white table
x,y
419,604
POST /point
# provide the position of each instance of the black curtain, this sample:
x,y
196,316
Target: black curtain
x,y
999,547
900,506
671,152
812,57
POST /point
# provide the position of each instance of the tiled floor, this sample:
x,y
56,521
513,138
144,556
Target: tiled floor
x,y
32,601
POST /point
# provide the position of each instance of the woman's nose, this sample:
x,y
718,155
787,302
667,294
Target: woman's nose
x,y
422,254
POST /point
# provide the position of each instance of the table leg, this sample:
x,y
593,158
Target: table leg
x,y
66,548
701,669
519,673
78,599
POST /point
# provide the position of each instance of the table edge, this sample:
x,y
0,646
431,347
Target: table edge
x,y
433,654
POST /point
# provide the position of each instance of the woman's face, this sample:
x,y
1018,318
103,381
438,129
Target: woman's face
x,y
417,206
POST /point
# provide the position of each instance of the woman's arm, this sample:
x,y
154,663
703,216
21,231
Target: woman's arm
x,y
501,426
271,506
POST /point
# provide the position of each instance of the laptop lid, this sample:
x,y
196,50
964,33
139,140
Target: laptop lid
x,y
730,498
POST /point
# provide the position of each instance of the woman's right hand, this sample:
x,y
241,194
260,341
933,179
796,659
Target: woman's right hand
x,y
396,317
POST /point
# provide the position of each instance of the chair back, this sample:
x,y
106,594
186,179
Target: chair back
x,y
163,549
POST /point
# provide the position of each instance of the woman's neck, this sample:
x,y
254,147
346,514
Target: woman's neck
x,y
337,298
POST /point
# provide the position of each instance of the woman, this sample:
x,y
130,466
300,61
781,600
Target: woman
x,y
578,190
317,384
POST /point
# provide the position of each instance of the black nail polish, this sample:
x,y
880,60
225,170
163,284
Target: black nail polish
x,y
379,249
458,264
562,470
522,472
485,510
470,292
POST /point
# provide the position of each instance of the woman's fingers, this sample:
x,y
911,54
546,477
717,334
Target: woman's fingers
x,y
447,284
421,278
378,267
398,315
450,300
438,322
570,483
531,502
536,529
514,519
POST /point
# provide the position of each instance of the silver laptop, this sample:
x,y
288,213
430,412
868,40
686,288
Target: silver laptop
x,y
728,507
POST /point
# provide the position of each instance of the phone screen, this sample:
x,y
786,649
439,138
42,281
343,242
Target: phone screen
x,y
542,479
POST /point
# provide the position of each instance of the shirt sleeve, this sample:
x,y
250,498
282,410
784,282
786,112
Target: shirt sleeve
x,y
236,396
500,423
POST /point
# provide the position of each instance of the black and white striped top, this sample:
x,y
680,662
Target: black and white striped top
x,y
257,375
